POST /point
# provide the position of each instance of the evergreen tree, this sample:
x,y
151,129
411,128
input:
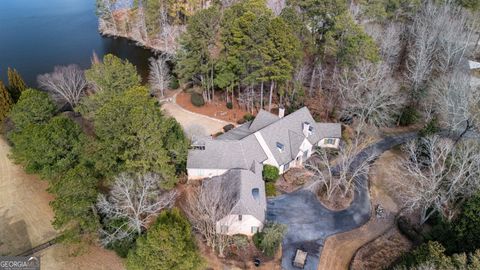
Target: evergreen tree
x,y
195,61
5,102
348,42
33,107
134,136
111,76
16,85
167,245
50,149
75,195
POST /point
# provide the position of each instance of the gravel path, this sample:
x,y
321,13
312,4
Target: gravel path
x,y
25,215
194,124
310,223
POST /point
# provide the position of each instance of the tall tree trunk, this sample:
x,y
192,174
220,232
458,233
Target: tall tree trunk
x,y
270,96
213,87
261,96
312,80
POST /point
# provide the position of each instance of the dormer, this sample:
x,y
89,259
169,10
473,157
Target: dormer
x,y
307,129
198,145
280,147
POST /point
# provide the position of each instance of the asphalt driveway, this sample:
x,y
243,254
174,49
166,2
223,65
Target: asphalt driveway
x,y
310,223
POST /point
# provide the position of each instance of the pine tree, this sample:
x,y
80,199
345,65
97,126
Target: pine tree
x,y
16,85
5,102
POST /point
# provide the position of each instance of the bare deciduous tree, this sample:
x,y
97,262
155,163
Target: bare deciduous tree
x,y
389,41
458,103
66,83
439,38
134,201
370,94
210,203
159,77
439,175
423,38
340,174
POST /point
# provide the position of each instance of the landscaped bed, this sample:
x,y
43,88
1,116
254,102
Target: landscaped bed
x,y
381,252
216,109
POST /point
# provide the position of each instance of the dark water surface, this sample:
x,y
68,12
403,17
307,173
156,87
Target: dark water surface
x,y
36,35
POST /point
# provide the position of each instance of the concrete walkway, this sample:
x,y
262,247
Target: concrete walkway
x,y
194,124
310,223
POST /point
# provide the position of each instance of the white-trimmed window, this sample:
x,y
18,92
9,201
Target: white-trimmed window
x,y
254,229
223,229
329,141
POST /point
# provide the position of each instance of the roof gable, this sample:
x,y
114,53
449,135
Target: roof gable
x,y
237,187
262,120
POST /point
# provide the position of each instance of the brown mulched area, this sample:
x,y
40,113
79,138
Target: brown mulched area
x,y
337,201
243,260
293,179
216,109
381,252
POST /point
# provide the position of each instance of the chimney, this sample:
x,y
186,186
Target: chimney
x,y
281,112
306,129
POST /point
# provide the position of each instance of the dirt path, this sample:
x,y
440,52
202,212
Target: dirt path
x,y
25,215
95,258
193,123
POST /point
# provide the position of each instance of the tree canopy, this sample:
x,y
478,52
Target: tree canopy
x,y
168,244
134,136
109,77
16,85
5,102
33,107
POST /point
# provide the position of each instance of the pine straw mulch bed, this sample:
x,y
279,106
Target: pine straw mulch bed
x,y
381,252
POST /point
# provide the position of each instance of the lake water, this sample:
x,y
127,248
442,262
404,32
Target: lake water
x,y
36,35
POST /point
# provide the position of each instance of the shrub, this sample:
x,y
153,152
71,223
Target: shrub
x,y
408,116
248,117
174,84
168,244
407,229
197,99
217,134
241,121
270,238
229,105
228,127
270,189
430,128
270,173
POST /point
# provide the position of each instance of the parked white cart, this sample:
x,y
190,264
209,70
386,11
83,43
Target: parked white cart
x,y
300,258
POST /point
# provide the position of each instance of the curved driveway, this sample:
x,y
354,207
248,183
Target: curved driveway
x,y
194,124
310,223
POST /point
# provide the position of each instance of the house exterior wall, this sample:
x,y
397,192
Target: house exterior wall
x,y
204,173
323,143
236,226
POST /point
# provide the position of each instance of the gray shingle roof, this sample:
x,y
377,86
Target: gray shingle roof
x,y
226,154
262,120
329,130
237,186
280,132
237,133
239,147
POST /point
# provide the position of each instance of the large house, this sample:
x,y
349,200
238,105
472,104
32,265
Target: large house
x,y
243,201
233,162
283,142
